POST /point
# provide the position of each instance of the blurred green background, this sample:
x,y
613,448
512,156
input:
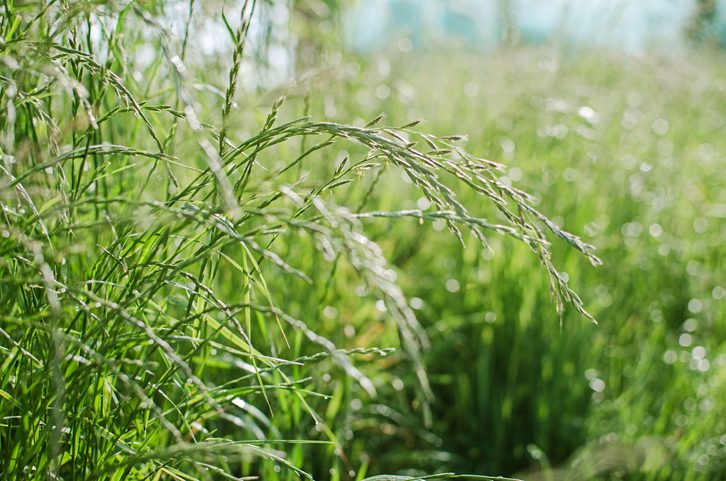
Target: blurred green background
x,y
620,131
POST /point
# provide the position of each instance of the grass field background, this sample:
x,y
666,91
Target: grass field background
x,y
210,273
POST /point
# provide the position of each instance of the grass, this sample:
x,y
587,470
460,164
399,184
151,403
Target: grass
x,y
629,154
202,278
162,268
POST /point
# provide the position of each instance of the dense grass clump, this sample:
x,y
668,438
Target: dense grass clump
x,y
188,289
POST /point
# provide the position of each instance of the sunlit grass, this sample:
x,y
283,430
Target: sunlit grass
x,y
174,264
628,150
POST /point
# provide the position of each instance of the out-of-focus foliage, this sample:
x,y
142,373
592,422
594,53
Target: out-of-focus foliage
x,y
630,152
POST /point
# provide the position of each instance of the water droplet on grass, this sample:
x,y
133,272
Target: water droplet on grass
x,y
690,325
670,357
588,114
660,126
417,303
452,285
508,146
718,293
597,385
695,305
698,353
381,305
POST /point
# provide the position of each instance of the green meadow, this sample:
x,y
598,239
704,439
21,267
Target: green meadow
x,y
420,263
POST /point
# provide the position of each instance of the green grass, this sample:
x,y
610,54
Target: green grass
x,y
203,279
515,391
162,270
